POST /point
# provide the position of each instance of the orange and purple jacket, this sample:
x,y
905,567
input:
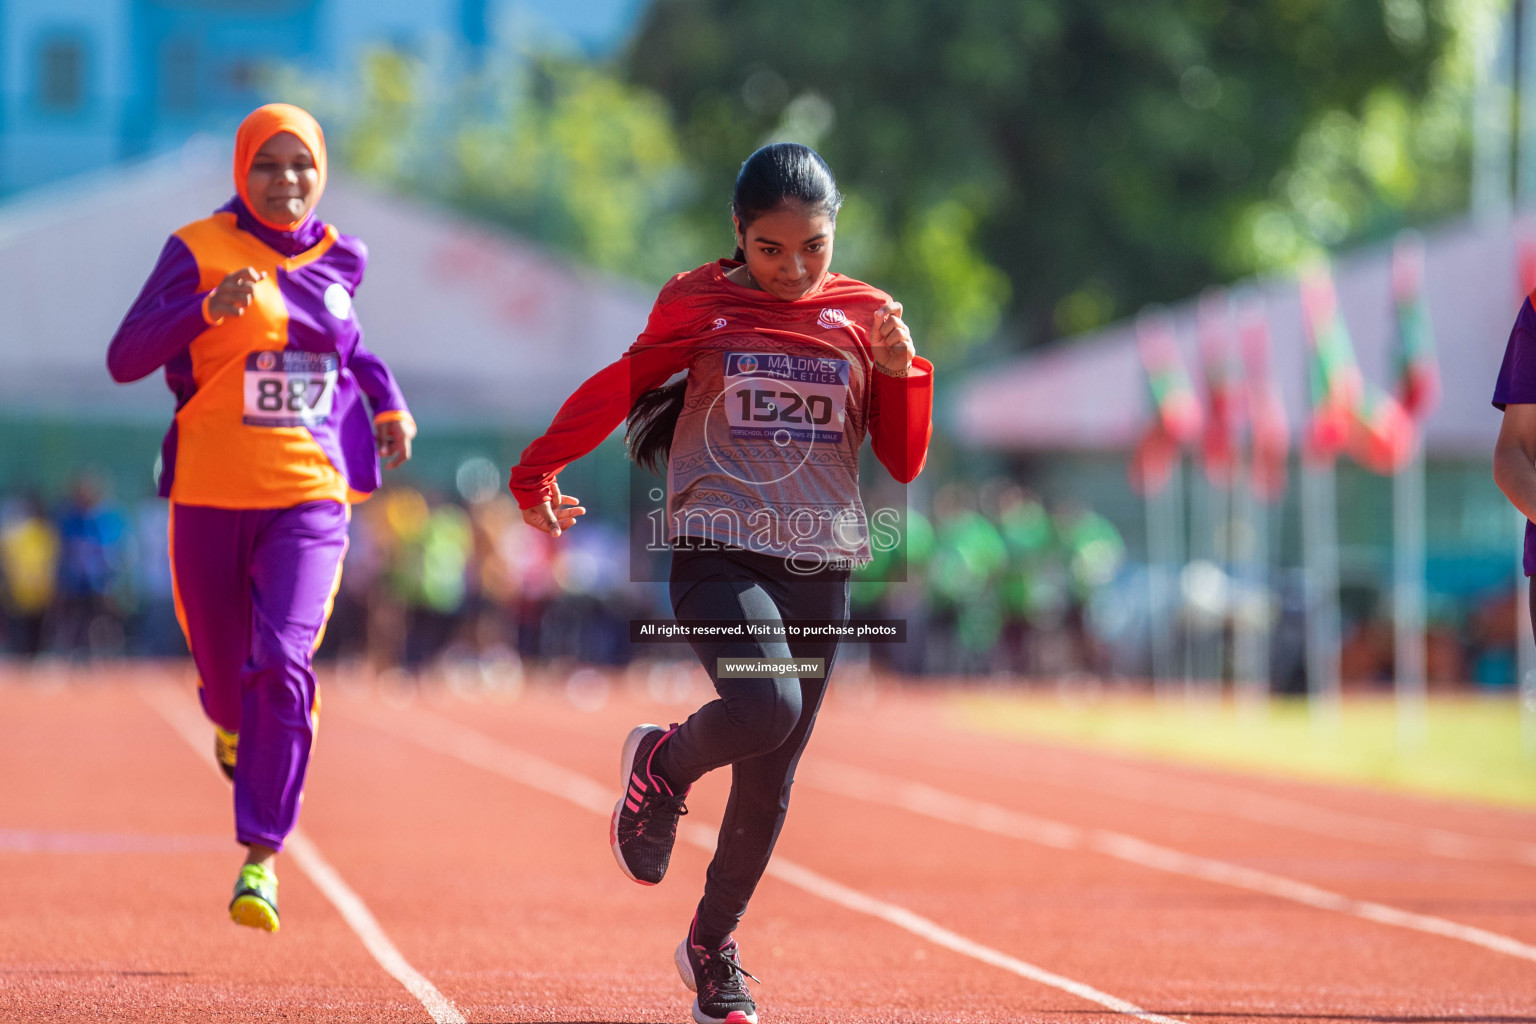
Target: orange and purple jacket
x,y
270,409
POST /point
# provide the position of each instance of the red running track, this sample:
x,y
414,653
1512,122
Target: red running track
x,y
927,873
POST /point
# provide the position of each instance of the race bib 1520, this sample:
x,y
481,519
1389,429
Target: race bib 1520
x,y
289,388
785,397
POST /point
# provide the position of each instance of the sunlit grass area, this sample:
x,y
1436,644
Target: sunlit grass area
x,y
1471,750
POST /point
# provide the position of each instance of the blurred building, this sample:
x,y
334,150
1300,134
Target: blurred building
x,y
1065,419
486,333
1087,394
1073,411
88,83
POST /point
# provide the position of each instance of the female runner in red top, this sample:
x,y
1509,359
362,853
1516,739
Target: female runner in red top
x,y
788,367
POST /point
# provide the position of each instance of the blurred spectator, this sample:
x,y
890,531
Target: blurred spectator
x,y
1027,536
1094,551
1365,656
93,586
443,548
154,630
891,585
969,558
1489,639
29,565
498,534
994,582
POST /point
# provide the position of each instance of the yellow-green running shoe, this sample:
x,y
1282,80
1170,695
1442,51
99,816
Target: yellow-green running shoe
x,y
255,902
224,744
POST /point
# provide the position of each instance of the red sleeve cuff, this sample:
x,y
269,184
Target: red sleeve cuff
x,y
531,491
904,425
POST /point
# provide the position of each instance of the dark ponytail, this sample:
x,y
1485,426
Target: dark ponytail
x,y
652,419
778,173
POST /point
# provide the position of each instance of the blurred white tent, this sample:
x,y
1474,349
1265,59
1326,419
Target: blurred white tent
x,y
480,328
1087,393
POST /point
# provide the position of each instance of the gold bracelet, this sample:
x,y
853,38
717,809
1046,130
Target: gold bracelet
x,y
892,373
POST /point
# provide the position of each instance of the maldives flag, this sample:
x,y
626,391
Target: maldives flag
x,y
1223,389
1269,427
1381,432
1413,357
1333,375
1174,404
1176,416
1153,460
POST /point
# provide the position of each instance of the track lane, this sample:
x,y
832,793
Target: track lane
x,y
549,866
134,936
301,851
1498,896
508,899
1328,953
476,748
1453,828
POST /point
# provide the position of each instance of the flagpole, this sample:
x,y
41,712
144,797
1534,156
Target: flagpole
x,y
1189,632
1319,532
1250,628
1163,526
1221,458
1221,541
1418,388
1265,469
1335,386
1210,543
1203,653
1157,469
1408,602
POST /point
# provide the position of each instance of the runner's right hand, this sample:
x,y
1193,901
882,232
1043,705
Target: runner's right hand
x,y
234,294
554,517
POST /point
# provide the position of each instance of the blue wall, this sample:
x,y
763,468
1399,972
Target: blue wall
x,y
150,73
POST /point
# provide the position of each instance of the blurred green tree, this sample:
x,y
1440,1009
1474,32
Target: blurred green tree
x,y
1061,162
551,147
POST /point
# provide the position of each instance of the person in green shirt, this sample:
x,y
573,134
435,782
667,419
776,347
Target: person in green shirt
x,y
969,559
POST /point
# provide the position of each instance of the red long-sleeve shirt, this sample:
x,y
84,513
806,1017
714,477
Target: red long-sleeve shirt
x,y
780,396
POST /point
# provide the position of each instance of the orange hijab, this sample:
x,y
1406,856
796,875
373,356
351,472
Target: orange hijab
x,y
259,126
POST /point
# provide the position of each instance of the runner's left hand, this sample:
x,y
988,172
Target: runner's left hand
x,y
393,438
890,341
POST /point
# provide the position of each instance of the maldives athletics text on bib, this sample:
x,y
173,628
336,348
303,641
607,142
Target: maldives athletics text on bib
x,y
785,397
289,388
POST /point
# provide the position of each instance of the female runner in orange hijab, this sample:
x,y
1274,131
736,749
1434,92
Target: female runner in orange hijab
x,y
282,415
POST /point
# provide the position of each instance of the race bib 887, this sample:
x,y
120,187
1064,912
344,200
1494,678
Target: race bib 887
x,y
785,397
289,388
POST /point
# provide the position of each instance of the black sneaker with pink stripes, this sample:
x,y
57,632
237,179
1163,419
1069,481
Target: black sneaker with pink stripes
x,y
644,826
720,981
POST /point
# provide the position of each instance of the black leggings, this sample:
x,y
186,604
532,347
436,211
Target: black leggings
x,y
758,726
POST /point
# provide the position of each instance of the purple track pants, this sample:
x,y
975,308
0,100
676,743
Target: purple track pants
x,y
253,589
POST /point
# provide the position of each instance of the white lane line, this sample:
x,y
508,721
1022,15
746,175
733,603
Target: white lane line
x,y
189,725
919,798
473,747
27,841
1211,798
367,927
852,899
